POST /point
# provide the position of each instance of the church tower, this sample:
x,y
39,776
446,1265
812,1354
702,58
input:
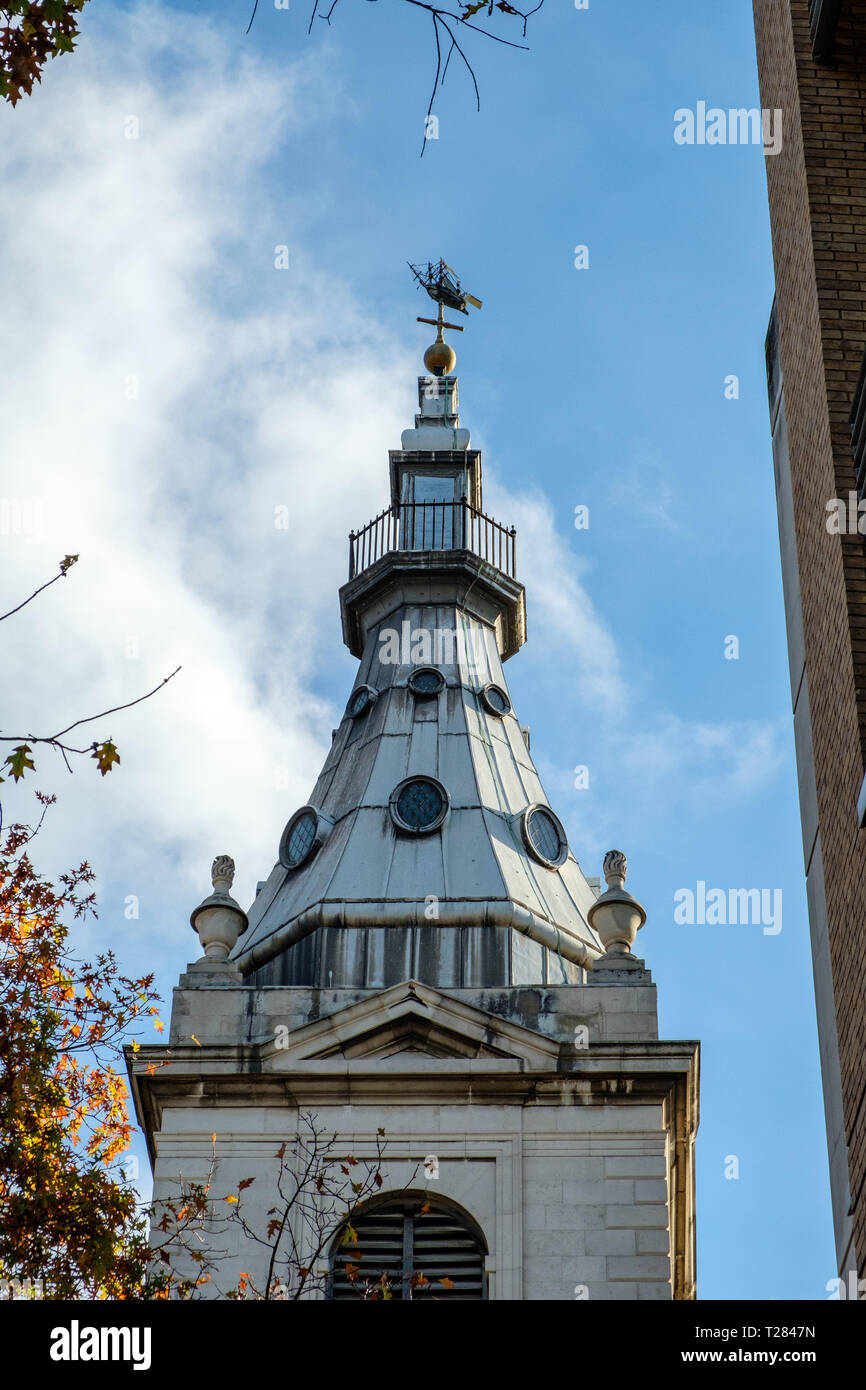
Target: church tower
x,y
427,973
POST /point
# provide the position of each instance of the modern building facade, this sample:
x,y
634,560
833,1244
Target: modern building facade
x,y
812,67
428,961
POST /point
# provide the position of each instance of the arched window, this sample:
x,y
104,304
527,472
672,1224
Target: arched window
x,y
415,1246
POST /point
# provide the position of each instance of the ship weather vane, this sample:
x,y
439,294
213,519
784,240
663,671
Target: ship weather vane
x,y
444,288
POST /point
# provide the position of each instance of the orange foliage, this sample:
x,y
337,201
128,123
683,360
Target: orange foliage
x,y
67,1219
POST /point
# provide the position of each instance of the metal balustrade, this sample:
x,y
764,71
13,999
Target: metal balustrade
x,y
412,526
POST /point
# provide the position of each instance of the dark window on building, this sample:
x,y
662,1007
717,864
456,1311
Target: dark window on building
x,y
301,838
361,700
774,363
544,836
858,429
495,700
823,18
419,805
426,681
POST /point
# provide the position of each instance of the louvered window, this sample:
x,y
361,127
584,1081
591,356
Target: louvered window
x,y
414,1249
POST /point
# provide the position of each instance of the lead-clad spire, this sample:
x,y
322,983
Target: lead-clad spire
x,y
428,849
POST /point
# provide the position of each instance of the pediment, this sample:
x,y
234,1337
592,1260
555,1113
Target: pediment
x,y
413,1018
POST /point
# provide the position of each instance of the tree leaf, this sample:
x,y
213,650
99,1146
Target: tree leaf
x,y
106,755
19,761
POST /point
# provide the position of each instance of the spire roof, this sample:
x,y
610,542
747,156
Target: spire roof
x,y
428,848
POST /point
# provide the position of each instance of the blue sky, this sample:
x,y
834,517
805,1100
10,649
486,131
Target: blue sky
x,y
152,261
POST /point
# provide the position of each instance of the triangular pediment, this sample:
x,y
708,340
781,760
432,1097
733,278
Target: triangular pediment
x,y
413,1018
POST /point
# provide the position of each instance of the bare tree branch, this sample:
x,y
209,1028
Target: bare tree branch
x,y
319,1195
105,713
54,739
65,565
105,753
441,17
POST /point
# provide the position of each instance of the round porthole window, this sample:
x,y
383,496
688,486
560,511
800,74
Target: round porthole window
x,y
419,805
495,700
544,836
426,682
301,838
361,700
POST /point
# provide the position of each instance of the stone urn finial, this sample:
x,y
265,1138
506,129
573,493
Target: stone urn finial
x,y
616,916
615,867
219,920
222,874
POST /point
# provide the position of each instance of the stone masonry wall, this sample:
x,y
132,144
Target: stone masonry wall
x,y
572,1200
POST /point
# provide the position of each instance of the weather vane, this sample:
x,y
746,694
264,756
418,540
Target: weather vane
x,y
443,286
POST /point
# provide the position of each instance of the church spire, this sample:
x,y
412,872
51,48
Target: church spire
x,y
428,849
427,961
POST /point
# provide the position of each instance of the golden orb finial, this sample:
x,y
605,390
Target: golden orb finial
x,y
440,358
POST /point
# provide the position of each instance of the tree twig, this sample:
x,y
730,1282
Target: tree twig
x,y
440,15
65,565
54,738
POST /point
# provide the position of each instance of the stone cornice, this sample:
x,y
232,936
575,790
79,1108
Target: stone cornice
x,y
436,460
434,577
611,1074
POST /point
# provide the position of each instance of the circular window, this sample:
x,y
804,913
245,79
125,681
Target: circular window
x,y
300,838
419,805
426,681
544,836
495,700
361,700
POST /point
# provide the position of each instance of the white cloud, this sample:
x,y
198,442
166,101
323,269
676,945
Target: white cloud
x,y
121,261
700,763
158,430
642,491
562,611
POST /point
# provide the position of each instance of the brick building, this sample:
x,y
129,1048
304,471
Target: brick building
x,y
812,67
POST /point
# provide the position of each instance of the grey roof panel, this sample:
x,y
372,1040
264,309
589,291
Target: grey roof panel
x,y
368,874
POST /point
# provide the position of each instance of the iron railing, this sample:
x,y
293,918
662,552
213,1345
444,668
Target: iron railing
x,y
407,526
